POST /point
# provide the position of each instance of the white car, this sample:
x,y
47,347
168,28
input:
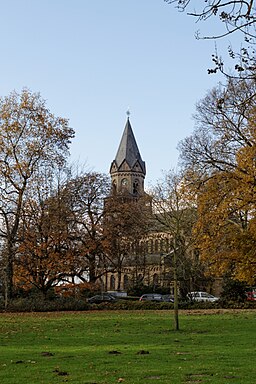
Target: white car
x,y
202,296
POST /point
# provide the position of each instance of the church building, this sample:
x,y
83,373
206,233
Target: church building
x,y
143,257
149,267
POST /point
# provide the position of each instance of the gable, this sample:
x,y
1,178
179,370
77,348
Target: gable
x,y
124,166
137,167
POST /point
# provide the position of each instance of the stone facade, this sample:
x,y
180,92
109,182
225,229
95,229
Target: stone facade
x,y
150,260
146,261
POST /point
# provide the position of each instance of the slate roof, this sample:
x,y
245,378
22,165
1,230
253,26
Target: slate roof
x,y
128,150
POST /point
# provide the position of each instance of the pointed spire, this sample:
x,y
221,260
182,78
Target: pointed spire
x,y
128,150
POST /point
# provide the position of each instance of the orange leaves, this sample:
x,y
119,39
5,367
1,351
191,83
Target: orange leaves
x,y
226,226
30,131
220,161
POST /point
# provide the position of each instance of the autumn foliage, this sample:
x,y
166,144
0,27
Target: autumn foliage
x,y
220,160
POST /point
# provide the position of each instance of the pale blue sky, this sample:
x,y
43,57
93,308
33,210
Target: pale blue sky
x,y
92,59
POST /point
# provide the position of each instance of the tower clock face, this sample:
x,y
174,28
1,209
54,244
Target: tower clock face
x,y
124,182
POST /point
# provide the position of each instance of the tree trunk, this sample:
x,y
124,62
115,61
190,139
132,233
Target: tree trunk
x,y
119,276
92,269
175,280
8,276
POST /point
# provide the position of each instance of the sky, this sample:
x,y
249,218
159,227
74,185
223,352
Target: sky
x,y
92,60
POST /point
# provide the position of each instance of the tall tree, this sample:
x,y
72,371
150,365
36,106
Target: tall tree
x,y
86,195
175,210
45,255
30,136
220,161
226,210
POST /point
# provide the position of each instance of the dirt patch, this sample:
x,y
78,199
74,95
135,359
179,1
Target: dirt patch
x,y
181,311
218,311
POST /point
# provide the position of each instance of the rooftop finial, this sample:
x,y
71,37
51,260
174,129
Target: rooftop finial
x,y
128,113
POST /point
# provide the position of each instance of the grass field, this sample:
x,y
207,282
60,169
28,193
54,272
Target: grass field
x,y
128,347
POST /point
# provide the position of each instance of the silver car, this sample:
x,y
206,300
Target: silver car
x,y
202,296
151,297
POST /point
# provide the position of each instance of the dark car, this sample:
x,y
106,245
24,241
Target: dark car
x,y
151,297
168,298
104,297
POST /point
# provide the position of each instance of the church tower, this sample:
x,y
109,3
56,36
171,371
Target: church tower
x,y
128,170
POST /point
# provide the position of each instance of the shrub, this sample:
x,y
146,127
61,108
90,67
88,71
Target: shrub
x,y
37,304
40,305
233,290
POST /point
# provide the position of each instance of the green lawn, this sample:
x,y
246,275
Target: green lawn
x,y
129,347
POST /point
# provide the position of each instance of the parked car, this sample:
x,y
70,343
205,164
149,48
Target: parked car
x,y
168,298
251,295
202,296
151,297
104,297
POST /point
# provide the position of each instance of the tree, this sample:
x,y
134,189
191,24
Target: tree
x,y
226,210
30,137
221,129
44,256
127,221
220,161
175,210
45,253
86,197
236,16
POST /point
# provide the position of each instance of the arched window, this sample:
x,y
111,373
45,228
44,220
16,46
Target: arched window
x,y
126,281
156,246
114,186
155,279
139,278
112,283
151,244
135,187
166,245
124,183
161,245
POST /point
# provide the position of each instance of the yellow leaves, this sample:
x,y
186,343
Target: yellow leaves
x,y
29,131
221,161
226,226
